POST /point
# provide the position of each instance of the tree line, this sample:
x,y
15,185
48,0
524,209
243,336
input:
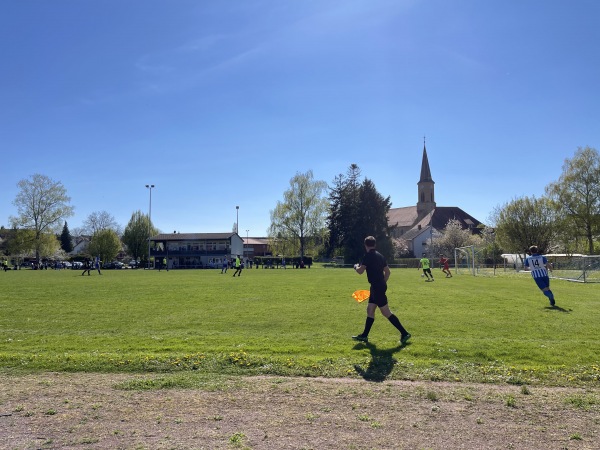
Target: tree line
x,y
43,207
331,220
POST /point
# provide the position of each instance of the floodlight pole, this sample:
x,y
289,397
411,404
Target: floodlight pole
x,y
237,219
149,186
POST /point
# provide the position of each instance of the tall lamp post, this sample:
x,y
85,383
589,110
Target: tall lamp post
x,y
149,186
237,219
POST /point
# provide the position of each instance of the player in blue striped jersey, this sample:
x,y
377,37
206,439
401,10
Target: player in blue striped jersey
x,y
539,266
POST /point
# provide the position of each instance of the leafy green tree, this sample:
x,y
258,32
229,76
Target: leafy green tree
x,y
66,241
42,204
488,246
577,193
136,235
105,244
524,222
301,215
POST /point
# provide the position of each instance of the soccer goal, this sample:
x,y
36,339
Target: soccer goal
x,y
464,260
580,268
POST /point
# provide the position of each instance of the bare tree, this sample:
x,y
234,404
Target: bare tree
x,y
43,205
101,220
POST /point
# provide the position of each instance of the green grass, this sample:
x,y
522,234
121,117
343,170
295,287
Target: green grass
x,y
297,322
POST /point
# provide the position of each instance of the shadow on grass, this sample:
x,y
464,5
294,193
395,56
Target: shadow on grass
x,y
381,364
558,308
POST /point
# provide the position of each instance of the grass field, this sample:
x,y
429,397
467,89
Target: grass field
x,y
298,322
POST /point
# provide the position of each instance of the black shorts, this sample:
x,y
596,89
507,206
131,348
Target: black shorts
x,y
377,294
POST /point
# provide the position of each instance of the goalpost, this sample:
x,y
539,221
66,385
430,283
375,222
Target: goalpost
x,y
464,260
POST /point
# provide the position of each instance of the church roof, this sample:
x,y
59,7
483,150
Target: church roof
x,y
403,217
407,217
443,214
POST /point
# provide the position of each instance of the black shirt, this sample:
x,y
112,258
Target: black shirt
x,y
375,262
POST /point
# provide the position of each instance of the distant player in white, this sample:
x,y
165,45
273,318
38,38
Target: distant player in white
x,y
539,266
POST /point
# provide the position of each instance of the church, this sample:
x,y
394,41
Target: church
x,y
418,224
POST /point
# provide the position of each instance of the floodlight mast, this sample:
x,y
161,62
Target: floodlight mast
x,y
149,186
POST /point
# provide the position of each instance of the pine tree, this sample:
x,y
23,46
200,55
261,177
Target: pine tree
x,y
66,241
357,210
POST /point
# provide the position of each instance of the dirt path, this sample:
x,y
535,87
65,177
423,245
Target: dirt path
x,y
83,411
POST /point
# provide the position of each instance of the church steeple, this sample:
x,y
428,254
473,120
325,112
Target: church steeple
x,y
426,189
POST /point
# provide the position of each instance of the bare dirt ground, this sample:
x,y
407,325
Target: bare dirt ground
x,y
89,411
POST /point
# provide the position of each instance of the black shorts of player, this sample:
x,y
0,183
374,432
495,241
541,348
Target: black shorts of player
x,y
377,294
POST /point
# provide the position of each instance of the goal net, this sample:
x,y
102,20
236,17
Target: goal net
x,y
580,268
464,260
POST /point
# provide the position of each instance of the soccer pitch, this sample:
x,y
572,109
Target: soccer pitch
x,y
298,322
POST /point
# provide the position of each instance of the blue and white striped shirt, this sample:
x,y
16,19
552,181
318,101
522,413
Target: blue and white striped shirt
x,y
537,265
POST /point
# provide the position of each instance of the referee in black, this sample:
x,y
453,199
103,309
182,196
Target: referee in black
x,y
378,273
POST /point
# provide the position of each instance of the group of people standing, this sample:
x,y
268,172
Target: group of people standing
x,y
88,265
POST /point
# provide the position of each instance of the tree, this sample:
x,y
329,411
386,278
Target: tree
x,y
401,249
301,215
357,210
489,247
577,192
372,221
524,222
42,204
105,244
101,220
343,220
452,236
135,236
66,241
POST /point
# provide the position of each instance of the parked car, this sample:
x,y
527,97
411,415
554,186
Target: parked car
x,y
113,265
76,265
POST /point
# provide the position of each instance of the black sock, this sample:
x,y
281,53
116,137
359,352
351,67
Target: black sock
x,y
368,325
396,322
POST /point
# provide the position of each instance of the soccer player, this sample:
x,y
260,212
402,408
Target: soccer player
x,y
539,266
445,266
225,265
238,266
426,266
378,273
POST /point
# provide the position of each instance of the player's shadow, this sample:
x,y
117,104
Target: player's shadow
x,y
381,364
559,309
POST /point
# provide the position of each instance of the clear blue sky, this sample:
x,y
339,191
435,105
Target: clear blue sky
x,y
219,103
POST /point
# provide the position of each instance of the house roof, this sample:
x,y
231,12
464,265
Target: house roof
x,y
191,236
256,241
413,233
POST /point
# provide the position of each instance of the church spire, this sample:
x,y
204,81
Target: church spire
x,y
425,171
426,190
